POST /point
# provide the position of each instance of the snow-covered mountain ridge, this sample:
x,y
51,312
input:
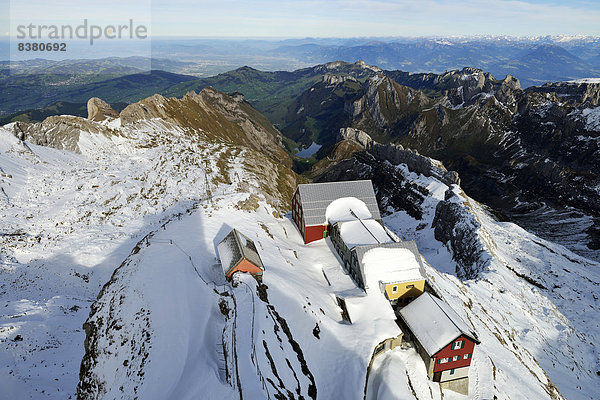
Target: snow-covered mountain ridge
x,y
154,197
69,217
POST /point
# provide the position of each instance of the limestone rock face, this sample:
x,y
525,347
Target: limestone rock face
x,y
397,154
60,132
215,113
457,227
99,110
151,107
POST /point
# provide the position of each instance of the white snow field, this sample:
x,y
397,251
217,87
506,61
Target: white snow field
x,y
69,220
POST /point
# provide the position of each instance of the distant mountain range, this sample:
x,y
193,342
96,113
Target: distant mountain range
x,y
534,61
531,154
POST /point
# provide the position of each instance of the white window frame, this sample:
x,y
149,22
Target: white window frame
x,y
459,344
395,289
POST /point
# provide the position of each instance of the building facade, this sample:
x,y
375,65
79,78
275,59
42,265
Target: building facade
x,y
444,341
310,203
402,283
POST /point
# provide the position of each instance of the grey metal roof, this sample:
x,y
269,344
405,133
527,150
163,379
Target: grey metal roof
x,y
410,245
315,198
434,323
234,247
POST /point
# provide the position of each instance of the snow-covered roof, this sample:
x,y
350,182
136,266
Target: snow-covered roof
x,y
363,232
434,323
234,247
316,197
409,245
346,209
390,265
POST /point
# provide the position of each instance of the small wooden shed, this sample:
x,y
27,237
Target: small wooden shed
x,y
237,252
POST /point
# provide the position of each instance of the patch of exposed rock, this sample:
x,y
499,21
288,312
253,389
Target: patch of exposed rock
x,y
397,154
60,132
577,93
99,110
213,113
458,228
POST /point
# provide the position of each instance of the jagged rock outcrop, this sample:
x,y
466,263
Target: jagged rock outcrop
x,y
459,87
215,113
397,154
457,227
579,93
99,110
391,105
60,132
332,80
146,109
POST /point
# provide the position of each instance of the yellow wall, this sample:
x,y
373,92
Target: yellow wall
x,y
403,291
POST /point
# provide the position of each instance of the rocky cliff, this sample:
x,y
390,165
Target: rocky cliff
x,y
456,225
228,117
99,110
515,150
60,132
397,154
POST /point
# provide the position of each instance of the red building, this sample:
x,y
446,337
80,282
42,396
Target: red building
x,y
443,339
310,202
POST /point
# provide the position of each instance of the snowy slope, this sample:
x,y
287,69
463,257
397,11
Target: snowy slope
x,y
533,307
154,201
505,365
69,219
300,339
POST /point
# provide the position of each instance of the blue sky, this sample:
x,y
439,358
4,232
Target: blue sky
x,y
331,18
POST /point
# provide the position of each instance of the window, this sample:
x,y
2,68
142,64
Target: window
x,y
455,358
394,289
410,286
467,356
452,371
459,344
443,360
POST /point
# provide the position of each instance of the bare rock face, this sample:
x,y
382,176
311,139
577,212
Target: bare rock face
x,y
389,103
99,110
149,108
397,154
461,232
212,112
580,93
60,132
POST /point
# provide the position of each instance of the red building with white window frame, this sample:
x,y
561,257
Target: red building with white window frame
x,y
450,362
444,341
